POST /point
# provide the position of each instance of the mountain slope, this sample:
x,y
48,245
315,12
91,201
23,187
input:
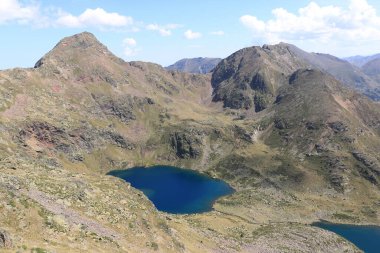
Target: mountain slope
x,y
82,112
342,70
306,113
78,114
360,61
372,69
195,65
250,78
318,118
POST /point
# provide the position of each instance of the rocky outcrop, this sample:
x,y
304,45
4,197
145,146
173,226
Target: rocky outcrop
x,y
242,134
370,170
5,239
186,144
118,140
42,132
338,127
122,107
313,125
335,169
43,135
281,123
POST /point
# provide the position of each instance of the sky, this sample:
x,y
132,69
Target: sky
x,y
164,31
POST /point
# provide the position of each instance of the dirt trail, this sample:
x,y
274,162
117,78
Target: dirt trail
x,y
71,216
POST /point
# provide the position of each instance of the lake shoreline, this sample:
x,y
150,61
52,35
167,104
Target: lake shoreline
x,y
365,237
176,190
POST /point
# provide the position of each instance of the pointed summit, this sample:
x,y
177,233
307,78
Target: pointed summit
x,y
82,40
81,58
71,49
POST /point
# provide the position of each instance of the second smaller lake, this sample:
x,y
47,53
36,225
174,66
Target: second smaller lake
x,y
367,238
175,190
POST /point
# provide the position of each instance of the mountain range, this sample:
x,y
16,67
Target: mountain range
x,y
195,65
296,134
360,61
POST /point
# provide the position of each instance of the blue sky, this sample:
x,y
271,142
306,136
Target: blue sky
x,y
164,31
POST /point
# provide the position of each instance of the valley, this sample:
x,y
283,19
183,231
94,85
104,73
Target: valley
x,y
297,139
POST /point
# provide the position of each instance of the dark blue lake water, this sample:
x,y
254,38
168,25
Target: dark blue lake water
x,y
175,190
366,238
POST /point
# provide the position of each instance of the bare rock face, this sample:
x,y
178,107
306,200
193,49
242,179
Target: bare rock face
x,y
5,239
186,144
370,170
122,107
42,135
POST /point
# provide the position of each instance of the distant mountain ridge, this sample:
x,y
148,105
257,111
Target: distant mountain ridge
x,y
360,61
347,73
198,65
372,69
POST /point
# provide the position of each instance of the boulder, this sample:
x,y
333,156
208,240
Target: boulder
x,y
5,239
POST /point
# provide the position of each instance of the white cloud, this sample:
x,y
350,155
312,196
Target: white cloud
x,y
164,30
190,35
28,12
129,42
129,51
129,47
218,33
341,28
14,10
94,17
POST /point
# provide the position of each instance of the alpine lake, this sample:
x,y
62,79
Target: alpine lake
x,y
181,191
175,190
366,238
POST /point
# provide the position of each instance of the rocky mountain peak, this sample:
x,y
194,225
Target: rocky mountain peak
x,y
251,77
82,40
281,45
71,48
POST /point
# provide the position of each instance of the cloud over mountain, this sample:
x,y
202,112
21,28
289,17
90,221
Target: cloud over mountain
x,y
94,17
333,25
129,45
164,30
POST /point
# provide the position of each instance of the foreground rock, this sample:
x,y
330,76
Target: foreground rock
x,y
5,239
